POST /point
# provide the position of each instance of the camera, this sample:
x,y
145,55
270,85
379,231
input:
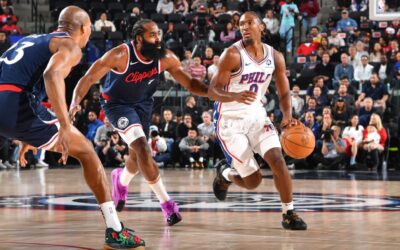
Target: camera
x,y
326,136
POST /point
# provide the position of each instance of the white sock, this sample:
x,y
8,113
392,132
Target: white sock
x,y
126,176
110,215
225,173
201,159
287,206
191,159
159,189
352,160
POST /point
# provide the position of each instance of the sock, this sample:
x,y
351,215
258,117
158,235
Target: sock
x,y
159,189
201,159
287,206
225,173
352,160
191,159
110,216
126,177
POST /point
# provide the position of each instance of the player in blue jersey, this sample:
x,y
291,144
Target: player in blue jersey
x,y
35,67
133,73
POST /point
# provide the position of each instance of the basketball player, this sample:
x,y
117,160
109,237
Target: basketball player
x,y
133,74
242,126
35,66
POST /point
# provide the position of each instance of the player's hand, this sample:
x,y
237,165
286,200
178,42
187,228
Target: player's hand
x,y
62,145
246,97
289,122
73,110
24,149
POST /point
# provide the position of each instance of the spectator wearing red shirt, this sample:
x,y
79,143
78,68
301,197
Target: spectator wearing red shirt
x,y
305,48
309,10
11,27
197,70
7,13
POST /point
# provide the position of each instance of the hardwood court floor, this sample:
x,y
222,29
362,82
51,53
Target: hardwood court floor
x,y
53,209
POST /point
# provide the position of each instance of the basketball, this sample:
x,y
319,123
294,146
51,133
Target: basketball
x,y
298,141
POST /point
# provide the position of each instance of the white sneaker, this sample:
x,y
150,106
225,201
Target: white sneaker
x,y
8,164
2,166
41,164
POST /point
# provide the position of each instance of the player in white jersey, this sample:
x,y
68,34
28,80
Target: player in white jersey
x,y
242,126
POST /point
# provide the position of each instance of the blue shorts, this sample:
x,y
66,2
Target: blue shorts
x,y
130,120
25,119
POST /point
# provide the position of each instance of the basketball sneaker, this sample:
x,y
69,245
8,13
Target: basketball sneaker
x,y
220,184
125,239
292,221
171,212
119,192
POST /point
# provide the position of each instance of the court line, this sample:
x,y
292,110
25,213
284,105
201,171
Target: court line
x,y
44,245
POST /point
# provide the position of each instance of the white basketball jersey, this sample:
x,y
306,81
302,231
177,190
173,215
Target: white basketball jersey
x,y
252,75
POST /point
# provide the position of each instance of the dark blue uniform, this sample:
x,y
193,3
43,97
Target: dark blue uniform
x,y
127,97
22,89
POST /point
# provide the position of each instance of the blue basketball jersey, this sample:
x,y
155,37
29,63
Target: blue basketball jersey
x,y
23,64
136,84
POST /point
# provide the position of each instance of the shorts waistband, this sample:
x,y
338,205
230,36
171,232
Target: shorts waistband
x,y
10,87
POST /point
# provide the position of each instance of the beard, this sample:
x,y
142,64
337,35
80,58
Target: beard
x,y
151,50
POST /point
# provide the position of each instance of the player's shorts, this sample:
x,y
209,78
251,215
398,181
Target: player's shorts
x,y
24,118
131,121
240,138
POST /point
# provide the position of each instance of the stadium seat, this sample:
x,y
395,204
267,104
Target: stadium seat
x,y
97,35
116,35
131,5
175,18
114,8
224,18
162,26
188,18
149,8
81,4
158,18
181,28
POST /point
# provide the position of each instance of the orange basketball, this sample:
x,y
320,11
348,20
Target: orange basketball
x,y
298,141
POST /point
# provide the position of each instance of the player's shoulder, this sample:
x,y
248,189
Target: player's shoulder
x,y
57,43
231,53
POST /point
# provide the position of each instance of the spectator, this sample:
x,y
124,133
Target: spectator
x,y
376,90
158,146
183,128
181,7
202,23
355,36
360,52
208,57
353,136
376,55
333,148
165,7
235,21
7,14
397,62
228,35
324,45
188,60
103,132
196,4
297,101
346,24
318,81
363,72
366,111
359,5
168,127
371,138
341,113
307,47
213,68
312,107
272,27
326,122
385,70
375,120
334,39
170,36
5,5
342,93
207,133
309,10
309,121
325,68
288,12
334,53
193,149
321,100
4,44
393,49
343,4
94,102
103,24
134,16
11,28
316,36
114,151
343,69
312,63
217,7
92,126
155,119
197,70
190,108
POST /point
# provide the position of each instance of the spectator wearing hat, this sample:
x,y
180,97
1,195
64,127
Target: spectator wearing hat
x,y
325,68
334,39
312,63
346,24
158,146
193,149
343,69
363,72
341,113
375,89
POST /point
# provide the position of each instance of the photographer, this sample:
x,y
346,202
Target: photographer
x,y
333,148
113,150
159,149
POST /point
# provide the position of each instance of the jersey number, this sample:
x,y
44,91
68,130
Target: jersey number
x,y
253,88
20,52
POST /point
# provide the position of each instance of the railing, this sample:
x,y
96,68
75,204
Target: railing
x,y
37,18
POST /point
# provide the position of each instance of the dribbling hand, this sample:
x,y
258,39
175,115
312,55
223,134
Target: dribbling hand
x,y
286,123
246,97
25,148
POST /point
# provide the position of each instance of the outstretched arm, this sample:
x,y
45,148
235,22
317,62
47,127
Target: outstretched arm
x,y
228,63
172,64
115,59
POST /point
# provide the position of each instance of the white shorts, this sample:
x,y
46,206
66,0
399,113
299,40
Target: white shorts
x,y
240,138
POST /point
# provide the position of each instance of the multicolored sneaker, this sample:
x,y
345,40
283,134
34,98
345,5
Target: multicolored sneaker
x,y
171,212
125,239
220,184
119,192
292,221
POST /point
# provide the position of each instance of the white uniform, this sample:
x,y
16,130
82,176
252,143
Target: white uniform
x,y
243,129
